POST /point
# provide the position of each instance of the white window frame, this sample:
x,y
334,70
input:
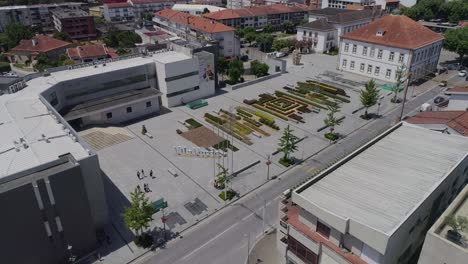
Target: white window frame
x,y
346,47
379,54
391,56
351,65
401,58
369,69
388,73
345,61
377,70
372,52
362,67
364,51
354,49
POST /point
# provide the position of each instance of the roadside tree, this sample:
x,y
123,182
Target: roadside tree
x,y
287,145
369,96
138,217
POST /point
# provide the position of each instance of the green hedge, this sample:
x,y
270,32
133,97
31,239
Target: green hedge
x,y
5,67
193,123
265,116
215,119
309,102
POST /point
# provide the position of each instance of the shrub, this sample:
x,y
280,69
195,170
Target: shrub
x,y
224,145
304,109
215,119
227,195
269,123
297,118
265,116
244,113
286,163
4,67
331,136
193,123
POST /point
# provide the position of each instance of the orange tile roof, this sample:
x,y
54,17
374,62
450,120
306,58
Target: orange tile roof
x,y
87,51
257,11
43,44
399,31
195,22
457,120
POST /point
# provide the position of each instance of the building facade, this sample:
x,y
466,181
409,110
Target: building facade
x,y
118,12
142,7
196,10
209,2
89,53
199,29
260,16
388,46
362,210
77,23
28,49
11,84
326,26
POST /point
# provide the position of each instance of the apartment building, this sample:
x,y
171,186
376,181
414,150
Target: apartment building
x,y
196,10
442,245
260,16
344,4
376,204
77,23
326,26
199,29
118,12
209,2
37,15
141,7
380,48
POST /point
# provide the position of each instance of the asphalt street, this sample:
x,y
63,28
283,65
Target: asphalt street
x,y
225,236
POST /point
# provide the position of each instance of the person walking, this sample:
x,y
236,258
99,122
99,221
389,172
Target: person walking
x,y
138,175
151,173
142,173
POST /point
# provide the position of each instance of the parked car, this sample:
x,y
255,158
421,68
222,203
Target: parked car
x,y
280,54
443,84
462,73
441,101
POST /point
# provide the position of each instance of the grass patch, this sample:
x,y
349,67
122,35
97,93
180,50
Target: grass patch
x,y
227,195
225,145
286,162
192,123
331,136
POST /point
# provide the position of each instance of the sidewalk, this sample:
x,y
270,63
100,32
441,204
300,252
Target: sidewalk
x,y
264,251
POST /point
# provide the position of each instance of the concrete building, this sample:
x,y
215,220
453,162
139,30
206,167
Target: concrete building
x,y
141,7
342,4
193,28
376,204
196,10
78,24
326,26
259,16
38,15
90,53
449,122
118,12
441,245
28,49
209,2
380,48
11,84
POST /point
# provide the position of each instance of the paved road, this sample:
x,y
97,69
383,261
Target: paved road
x,y
223,238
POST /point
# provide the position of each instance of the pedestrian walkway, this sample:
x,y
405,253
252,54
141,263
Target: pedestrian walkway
x,y
264,251
99,137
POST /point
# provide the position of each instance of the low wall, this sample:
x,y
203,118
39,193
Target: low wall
x,y
240,85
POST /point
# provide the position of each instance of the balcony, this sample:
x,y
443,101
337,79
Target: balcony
x,y
284,209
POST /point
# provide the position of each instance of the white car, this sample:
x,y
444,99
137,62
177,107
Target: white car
x,y
462,73
280,54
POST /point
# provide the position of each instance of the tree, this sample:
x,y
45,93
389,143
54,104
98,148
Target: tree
x,y
331,121
16,32
148,16
264,40
249,37
269,28
205,11
140,213
222,179
279,44
222,66
287,144
456,40
236,70
369,96
397,88
288,27
259,69
122,39
62,36
458,224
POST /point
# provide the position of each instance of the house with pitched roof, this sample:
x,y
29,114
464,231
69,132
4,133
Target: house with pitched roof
x,y
28,49
379,49
449,122
90,53
199,29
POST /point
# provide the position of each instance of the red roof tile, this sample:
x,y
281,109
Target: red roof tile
x,y
87,51
195,22
257,11
457,120
118,5
43,44
399,31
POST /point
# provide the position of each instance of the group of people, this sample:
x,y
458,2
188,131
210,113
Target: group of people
x,y
142,175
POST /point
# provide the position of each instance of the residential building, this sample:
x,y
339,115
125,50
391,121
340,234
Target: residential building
x,y
260,16
238,4
458,98
28,49
196,10
343,4
78,24
209,2
379,49
34,15
449,122
96,11
141,7
443,245
200,29
11,84
327,25
376,204
119,12
90,53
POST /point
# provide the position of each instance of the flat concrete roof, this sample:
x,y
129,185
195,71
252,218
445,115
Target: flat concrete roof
x,y
23,115
382,185
69,13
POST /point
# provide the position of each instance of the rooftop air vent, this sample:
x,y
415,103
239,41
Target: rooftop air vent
x,y
380,32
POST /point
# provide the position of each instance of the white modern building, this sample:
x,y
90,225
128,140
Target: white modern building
x,y
199,29
209,2
376,204
379,49
118,12
196,10
326,26
441,244
141,7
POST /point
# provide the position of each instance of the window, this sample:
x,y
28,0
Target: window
x,y
351,66
364,51
361,68
129,109
109,115
391,56
323,229
401,58
182,91
301,251
372,52
344,63
346,47
354,49
148,104
184,75
379,54
377,70
388,73
369,69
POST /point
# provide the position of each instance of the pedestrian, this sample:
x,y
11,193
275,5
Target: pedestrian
x,y
142,173
138,175
138,188
151,173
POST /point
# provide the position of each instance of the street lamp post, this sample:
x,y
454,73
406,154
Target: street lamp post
x,y
248,247
268,163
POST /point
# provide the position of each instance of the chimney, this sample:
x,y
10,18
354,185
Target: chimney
x,y
34,41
